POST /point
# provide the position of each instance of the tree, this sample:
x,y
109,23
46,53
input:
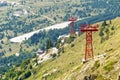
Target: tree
x,y
1,53
70,39
112,28
110,22
101,33
0,46
2,42
10,49
25,63
1,35
49,44
11,74
27,74
104,23
53,55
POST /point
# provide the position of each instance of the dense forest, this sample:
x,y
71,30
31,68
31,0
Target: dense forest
x,y
28,21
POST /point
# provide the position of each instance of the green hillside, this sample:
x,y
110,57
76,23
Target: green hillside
x,y
18,61
68,65
30,15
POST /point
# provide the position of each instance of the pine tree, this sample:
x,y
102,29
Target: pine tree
x,y
49,44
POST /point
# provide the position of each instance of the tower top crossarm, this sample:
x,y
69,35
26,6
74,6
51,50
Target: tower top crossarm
x,y
89,27
72,19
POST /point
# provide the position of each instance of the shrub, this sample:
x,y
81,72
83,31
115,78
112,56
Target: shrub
x,y
70,39
53,55
112,28
110,65
90,77
27,74
72,45
100,77
96,65
101,33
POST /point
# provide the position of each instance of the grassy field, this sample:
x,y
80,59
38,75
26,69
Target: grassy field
x,y
68,65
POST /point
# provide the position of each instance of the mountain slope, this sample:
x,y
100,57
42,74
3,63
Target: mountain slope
x,y
68,65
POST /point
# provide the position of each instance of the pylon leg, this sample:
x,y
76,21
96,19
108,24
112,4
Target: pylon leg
x,y
89,48
71,28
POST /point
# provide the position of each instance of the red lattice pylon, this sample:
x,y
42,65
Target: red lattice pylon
x,y
89,48
72,19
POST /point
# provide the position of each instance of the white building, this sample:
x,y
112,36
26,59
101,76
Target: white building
x,y
39,52
54,50
17,54
63,36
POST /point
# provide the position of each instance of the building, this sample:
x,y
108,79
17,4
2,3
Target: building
x,y
17,54
39,51
63,36
54,50
3,3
